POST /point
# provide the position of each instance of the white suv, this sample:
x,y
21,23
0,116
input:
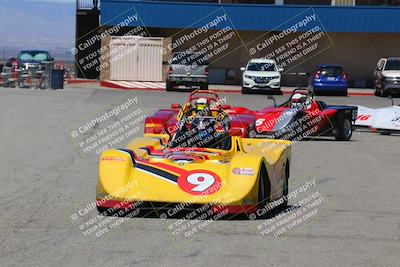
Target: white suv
x,y
261,75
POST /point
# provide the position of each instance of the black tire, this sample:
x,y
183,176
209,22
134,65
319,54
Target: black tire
x,y
345,93
245,90
344,130
384,132
264,188
251,131
382,91
285,187
169,86
104,211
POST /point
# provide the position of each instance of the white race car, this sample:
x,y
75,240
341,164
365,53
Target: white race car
x,y
382,120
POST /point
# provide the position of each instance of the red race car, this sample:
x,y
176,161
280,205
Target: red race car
x,y
300,117
203,103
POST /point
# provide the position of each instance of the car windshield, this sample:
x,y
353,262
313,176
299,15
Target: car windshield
x,y
201,132
393,64
32,56
261,67
331,71
188,59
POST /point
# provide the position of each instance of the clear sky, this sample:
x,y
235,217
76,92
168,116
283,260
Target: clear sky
x,y
40,24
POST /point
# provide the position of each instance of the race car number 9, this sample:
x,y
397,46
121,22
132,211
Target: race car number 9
x,y
200,182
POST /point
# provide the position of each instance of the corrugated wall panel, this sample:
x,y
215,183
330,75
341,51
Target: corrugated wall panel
x,y
250,16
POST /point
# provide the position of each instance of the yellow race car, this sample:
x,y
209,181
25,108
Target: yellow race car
x,y
199,167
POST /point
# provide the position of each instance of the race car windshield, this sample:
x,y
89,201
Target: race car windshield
x,y
261,67
201,132
393,65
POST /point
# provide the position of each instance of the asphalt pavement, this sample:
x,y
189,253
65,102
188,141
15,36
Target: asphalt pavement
x,y
348,216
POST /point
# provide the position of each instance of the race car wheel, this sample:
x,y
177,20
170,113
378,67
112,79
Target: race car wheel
x,y
383,132
251,131
104,211
264,187
285,187
344,130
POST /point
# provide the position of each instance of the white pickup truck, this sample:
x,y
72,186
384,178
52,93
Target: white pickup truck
x,y
189,70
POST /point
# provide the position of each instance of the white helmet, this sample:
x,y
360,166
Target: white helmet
x,y
297,100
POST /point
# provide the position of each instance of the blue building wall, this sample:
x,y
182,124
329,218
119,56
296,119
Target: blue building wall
x,y
250,17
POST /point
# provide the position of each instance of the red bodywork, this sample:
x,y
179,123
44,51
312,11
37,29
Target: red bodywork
x,y
265,120
165,121
245,122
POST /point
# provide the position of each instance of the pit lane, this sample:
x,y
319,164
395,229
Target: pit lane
x,y
44,177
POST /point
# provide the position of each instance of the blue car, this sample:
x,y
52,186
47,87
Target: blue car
x,y
330,79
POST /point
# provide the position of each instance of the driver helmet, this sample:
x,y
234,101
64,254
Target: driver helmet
x,y
201,104
298,100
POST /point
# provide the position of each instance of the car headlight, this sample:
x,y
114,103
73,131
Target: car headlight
x,y
275,77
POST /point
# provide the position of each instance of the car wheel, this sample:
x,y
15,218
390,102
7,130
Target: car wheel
x,y
251,131
104,211
384,132
344,130
383,93
285,187
169,86
263,188
245,90
345,93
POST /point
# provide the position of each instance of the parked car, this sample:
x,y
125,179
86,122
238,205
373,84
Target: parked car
x,y
30,59
387,76
261,75
189,70
330,79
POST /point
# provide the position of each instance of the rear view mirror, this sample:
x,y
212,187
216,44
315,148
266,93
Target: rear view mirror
x,y
270,97
242,68
175,106
226,106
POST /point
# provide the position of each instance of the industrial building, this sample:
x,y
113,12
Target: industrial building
x,y
298,34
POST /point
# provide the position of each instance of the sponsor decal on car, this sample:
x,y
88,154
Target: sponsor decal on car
x,y
243,171
111,158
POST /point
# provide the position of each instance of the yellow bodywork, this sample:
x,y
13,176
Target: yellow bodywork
x,y
237,168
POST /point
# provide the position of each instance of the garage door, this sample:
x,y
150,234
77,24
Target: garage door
x,y
136,59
